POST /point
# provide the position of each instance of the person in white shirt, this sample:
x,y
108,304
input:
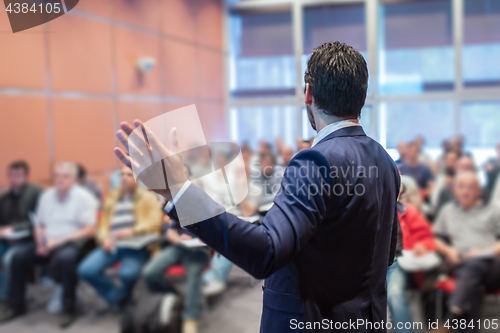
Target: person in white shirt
x,y
65,221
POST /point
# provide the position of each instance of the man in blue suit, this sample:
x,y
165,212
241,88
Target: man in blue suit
x,y
325,245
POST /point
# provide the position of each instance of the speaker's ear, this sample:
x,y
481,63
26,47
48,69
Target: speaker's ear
x,y
27,14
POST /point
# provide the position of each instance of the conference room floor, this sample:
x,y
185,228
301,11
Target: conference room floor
x,y
238,310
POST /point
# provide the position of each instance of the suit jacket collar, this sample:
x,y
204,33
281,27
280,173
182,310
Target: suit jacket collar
x,y
346,131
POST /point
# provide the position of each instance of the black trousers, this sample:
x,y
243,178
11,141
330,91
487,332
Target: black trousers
x,y
474,278
62,266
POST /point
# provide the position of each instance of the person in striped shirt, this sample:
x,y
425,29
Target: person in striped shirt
x,y
130,213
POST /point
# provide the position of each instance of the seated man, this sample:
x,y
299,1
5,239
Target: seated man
x,y
128,211
474,250
414,234
65,221
413,167
15,225
193,259
464,163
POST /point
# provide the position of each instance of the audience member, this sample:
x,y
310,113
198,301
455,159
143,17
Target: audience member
x,y
464,163
466,235
15,224
422,156
265,183
193,259
414,234
492,187
286,155
444,179
416,169
401,148
128,212
65,221
303,145
411,193
90,185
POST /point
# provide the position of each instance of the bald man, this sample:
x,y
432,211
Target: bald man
x,y
446,194
473,249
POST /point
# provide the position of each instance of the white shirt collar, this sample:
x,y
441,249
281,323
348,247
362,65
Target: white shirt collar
x,y
327,130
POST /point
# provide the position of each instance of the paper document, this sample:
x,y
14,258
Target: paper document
x,y
137,242
411,263
193,242
16,235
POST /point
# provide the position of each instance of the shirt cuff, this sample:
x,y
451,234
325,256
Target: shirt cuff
x,y
170,205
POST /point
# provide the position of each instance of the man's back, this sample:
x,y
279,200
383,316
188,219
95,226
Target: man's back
x,y
340,274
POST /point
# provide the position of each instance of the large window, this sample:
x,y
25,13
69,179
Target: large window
x,y
481,52
416,47
481,125
434,67
253,123
262,61
406,120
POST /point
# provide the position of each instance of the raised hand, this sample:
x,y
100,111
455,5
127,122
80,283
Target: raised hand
x,y
159,168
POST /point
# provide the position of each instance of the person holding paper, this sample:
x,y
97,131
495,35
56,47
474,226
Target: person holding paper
x,y
128,211
415,235
65,221
16,205
194,259
325,245
467,236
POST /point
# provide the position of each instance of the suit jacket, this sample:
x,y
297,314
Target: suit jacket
x,y
25,203
325,245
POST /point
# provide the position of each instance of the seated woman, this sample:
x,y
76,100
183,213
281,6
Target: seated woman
x,y
414,234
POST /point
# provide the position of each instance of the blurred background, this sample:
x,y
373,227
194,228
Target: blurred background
x,y
66,85
433,72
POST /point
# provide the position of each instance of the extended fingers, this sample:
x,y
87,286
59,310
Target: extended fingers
x,y
151,139
123,157
125,126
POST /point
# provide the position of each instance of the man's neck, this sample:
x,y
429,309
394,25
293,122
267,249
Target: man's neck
x,y
127,192
322,120
62,194
411,162
468,208
17,190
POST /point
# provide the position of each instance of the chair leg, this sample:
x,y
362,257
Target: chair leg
x,y
439,304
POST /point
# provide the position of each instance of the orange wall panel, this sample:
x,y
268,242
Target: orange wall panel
x,y
180,69
212,116
98,7
92,53
80,55
131,110
84,132
140,13
210,23
22,56
130,46
179,18
211,84
24,135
